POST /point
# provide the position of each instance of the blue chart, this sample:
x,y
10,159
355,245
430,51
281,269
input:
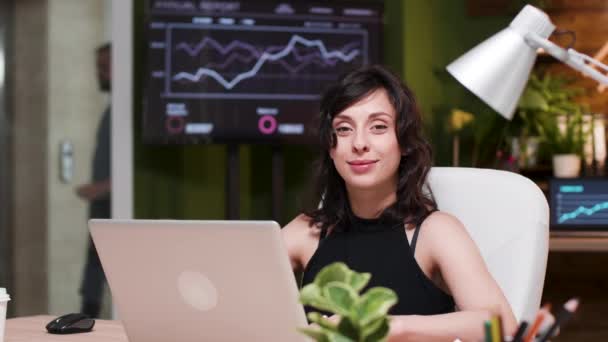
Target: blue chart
x,y
260,62
581,209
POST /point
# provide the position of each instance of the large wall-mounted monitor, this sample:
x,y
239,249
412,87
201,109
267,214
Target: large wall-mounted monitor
x,y
249,71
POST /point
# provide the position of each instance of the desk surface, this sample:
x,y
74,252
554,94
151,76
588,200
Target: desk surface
x,y
578,244
32,329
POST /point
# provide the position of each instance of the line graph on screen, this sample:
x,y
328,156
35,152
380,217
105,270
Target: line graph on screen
x,y
234,61
581,208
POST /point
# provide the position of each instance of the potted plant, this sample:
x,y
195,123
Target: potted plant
x,y
358,318
548,110
564,139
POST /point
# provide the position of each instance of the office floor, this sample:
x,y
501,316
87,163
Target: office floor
x,y
583,275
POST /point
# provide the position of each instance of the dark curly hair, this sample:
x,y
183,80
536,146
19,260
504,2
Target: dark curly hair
x,y
414,202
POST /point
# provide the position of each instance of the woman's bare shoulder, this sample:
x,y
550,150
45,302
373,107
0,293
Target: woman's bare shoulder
x,y
300,238
443,232
300,222
441,222
301,226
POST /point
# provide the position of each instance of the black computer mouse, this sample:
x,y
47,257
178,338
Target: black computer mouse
x,y
70,324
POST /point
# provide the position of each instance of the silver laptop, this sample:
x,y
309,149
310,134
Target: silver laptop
x,y
194,281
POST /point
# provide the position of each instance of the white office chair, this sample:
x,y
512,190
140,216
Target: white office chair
x,y
507,216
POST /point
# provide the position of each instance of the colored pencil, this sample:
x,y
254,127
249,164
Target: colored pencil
x,y
562,317
540,316
521,330
487,327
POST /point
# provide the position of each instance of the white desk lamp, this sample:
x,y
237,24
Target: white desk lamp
x,y
497,70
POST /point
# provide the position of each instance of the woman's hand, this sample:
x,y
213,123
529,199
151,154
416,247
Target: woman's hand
x,y
94,191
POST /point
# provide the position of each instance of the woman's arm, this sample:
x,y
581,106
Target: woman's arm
x,y
457,259
300,241
463,325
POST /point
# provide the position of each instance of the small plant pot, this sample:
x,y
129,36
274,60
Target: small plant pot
x,y
566,165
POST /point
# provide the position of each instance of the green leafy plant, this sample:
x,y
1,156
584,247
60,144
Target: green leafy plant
x,y
549,93
548,109
567,139
362,318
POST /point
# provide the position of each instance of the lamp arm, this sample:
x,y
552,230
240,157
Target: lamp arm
x,y
571,57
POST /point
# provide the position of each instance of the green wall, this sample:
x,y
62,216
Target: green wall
x,y
435,33
188,182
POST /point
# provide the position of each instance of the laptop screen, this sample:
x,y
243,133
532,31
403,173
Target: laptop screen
x,y
579,204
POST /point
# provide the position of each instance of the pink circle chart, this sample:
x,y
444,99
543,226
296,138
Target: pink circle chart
x,y
175,124
267,124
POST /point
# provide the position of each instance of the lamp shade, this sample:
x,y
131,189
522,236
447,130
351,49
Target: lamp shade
x,y
498,69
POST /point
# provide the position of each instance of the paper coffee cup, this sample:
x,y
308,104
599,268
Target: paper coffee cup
x,y
4,298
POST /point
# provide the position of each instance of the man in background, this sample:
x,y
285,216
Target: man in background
x,y
97,192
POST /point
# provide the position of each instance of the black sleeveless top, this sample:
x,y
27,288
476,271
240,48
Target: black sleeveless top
x,y
382,249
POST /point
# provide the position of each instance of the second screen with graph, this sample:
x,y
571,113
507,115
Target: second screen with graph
x,y
236,71
579,204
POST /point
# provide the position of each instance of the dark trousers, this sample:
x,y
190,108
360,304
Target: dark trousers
x,y
93,279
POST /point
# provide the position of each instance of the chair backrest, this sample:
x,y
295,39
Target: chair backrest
x,y
507,216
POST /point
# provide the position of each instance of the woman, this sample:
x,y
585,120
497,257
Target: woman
x,y
376,217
